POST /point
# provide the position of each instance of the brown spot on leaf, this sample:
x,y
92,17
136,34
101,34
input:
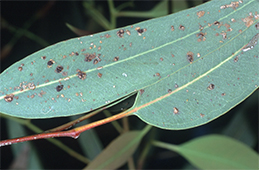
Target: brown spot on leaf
x,y
200,13
64,73
95,61
181,27
224,35
216,23
116,58
233,5
140,30
107,35
99,75
120,33
9,97
169,90
257,26
59,69
128,32
50,63
236,59
141,91
190,56
20,68
59,88
172,28
176,110
31,86
248,20
43,57
89,57
80,74
202,115
211,87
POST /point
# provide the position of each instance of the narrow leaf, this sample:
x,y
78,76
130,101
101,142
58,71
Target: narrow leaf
x,y
216,152
118,151
188,68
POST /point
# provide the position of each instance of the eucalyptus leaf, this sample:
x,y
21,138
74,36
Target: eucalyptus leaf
x,y
188,68
216,152
118,151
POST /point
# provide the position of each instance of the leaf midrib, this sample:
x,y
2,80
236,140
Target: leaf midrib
x,y
140,54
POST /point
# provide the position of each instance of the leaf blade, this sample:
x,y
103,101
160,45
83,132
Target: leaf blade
x,y
215,152
151,57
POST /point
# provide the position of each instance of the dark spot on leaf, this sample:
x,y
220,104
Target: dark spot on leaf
x,y
77,53
141,91
59,88
190,56
80,74
224,35
99,75
31,86
50,63
257,26
116,58
223,94
158,74
211,87
201,34
120,33
181,27
169,90
43,57
176,86
140,31
95,61
20,68
8,98
89,57
59,69
216,23
176,110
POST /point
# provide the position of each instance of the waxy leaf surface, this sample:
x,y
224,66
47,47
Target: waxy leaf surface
x,y
188,68
216,152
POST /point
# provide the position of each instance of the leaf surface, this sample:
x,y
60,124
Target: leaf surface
x,y
118,151
188,68
216,152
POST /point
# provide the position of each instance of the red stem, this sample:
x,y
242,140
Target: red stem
x,y
74,133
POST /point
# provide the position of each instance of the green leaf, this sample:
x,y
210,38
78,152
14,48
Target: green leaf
x,y
216,152
188,68
118,151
